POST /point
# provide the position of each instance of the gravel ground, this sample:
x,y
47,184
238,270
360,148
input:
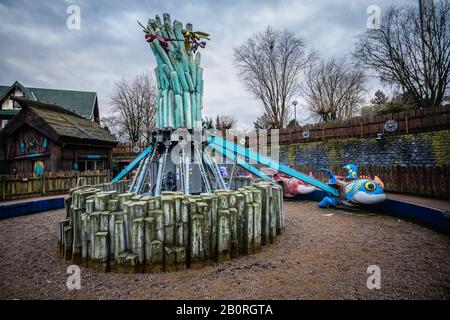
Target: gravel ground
x,y
322,254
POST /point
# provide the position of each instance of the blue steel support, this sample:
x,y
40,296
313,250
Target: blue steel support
x,y
240,162
133,164
272,164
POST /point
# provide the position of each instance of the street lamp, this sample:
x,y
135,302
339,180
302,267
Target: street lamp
x,y
294,103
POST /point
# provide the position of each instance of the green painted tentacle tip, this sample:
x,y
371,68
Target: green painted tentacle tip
x,y
177,24
166,19
158,21
150,28
198,58
153,24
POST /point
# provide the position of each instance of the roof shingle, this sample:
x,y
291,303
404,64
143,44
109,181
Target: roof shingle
x,y
80,102
65,124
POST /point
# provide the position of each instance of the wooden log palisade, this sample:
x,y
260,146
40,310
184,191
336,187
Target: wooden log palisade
x,y
125,232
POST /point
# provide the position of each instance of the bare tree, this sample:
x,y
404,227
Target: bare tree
x,y
270,64
112,124
146,91
333,90
225,122
411,50
134,102
207,123
263,122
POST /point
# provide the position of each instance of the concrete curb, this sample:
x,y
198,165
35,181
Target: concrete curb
x,y
30,207
434,218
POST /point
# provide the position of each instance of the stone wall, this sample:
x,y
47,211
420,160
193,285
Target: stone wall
x,y
419,149
133,233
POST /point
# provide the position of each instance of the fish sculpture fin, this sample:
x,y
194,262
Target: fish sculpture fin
x,y
331,177
352,171
378,180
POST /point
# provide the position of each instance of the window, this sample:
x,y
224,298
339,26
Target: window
x,y
91,165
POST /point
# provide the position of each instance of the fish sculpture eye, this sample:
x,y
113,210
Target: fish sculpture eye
x,y
370,186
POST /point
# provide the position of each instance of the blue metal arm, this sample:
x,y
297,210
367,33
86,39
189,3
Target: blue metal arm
x,y
265,161
133,164
240,162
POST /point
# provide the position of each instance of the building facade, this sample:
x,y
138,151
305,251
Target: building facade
x,y
47,137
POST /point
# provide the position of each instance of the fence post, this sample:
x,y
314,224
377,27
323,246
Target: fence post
x,y
43,184
446,177
406,125
3,178
16,186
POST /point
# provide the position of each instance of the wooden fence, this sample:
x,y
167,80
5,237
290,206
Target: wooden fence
x,y
129,149
51,183
411,121
432,182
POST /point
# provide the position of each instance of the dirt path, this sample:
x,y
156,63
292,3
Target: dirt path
x,y
321,255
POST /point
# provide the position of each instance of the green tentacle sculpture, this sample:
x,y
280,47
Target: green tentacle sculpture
x,y
179,75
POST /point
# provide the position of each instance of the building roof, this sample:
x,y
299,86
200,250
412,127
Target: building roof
x,y
58,123
80,102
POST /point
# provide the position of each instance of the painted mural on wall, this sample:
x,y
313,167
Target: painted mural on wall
x,y
32,145
38,168
422,149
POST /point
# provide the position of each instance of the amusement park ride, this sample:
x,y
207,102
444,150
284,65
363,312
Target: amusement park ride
x,y
179,157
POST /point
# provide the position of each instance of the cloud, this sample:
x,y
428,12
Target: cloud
x,y
38,49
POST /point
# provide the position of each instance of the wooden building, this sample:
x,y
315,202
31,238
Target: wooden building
x,y
49,137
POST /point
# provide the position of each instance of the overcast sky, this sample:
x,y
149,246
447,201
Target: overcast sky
x,y
39,50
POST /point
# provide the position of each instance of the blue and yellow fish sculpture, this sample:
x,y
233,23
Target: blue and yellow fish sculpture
x,y
354,190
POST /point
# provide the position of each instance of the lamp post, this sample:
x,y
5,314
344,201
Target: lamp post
x,y
294,103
